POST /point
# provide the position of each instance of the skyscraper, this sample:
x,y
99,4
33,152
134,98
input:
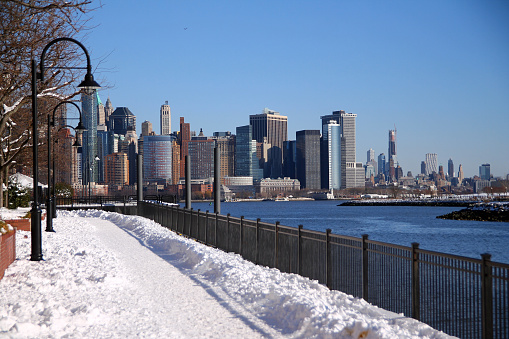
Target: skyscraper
x,y
108,110
461,175
382,164
484,171
431,163
308,158
201,155
116,169
333,156
272,126
370,155
225,141
353,171
157,157
89,141
120,121
165,116
289,156
246,161
146,128
183,138
392,154
450,169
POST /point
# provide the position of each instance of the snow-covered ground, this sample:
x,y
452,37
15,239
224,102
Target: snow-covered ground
x,y
107,275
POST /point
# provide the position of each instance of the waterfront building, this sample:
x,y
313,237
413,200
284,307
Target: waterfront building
x,y
240,186
165,119
289,158
352,172
89,137
431,163
272,126
246,159
116,169
484,172
270,187
225,141
450,168
201,155
308,158
157,157
121,119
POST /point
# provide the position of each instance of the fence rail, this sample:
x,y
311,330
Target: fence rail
x,y
461,296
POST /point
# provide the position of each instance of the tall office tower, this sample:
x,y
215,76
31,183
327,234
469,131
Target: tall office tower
x,y
243,152
484,172
157,157
370,155
289,156
392,154
308,158
450,169
333,156
353,171
103,147
431,163
330,150
183,138
89,138
441,172
165,116
108,110
132,154
116,169
381,164
120,120
274,127
201,155
225,141
101,112
175,162
423,167
146,128
461,176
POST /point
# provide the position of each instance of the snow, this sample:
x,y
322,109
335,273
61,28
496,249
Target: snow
x,y
116,276
24,181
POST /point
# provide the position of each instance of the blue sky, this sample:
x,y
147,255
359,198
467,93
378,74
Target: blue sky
x,y
438,71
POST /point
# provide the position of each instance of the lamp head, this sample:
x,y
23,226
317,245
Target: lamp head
x,y
76,143
80,128
89,84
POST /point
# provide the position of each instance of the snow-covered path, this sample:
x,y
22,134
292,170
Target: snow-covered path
x,y
107,275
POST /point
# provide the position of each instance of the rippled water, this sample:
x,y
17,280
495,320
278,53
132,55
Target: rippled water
x,y
393,224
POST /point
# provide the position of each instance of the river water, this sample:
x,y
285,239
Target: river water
x,y
400,225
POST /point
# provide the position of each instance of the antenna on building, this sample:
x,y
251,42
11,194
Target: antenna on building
x,y
166,102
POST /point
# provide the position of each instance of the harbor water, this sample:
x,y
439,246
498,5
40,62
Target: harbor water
x,y
400,225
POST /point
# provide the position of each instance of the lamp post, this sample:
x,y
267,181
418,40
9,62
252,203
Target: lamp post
x,y
76,144
50,211
88,84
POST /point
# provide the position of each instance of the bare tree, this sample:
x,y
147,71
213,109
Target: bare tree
x,y
26,27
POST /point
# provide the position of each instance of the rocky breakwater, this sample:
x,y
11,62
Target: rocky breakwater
x,y
492,211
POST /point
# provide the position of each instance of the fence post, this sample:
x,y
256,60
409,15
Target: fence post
x,y
365,261
416,293
257,229
299,251
206,227
486,297
276,238
241,234
215,230
190,222
228,232
328,261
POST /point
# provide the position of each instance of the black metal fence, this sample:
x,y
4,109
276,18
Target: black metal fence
x,y
461,296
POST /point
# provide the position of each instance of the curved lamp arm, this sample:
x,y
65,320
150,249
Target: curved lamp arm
x,y
88,84
80,128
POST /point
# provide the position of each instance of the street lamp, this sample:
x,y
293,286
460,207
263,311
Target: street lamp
x,y
89,175
88,85
50,202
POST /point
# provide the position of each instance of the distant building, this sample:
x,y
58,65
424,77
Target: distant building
x,y
201,155
274,186
381,164
165,119
157,157
431,163
392,154
308,158
272,126
121,119
461,175
484,172
450,168
183,138
225,141
116,169
289,158
146,128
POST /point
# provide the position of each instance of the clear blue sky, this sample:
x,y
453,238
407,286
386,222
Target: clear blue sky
x,y
437,70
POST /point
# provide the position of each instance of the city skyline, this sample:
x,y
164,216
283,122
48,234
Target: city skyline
x,y
435,71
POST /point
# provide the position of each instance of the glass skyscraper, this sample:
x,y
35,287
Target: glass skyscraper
x,y
157,157
308,158
89,167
